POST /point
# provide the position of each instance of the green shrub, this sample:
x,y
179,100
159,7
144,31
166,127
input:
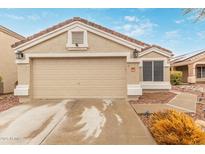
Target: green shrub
x,y
1,79
176,77
175,128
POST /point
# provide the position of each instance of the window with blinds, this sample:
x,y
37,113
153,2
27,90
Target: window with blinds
x,y
201,72
158,71
198,72
147,70
153,70
77,37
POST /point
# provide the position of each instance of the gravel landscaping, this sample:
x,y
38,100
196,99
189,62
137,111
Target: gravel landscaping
x,y
155,98
197,88
8,101
200,111
165,97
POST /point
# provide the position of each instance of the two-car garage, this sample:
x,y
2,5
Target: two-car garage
x,y
78,78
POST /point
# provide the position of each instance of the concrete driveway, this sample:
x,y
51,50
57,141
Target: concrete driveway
x,y
84,121
31,123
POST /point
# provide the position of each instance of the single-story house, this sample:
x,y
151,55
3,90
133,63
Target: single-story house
x,y
8,67
81,59
192,66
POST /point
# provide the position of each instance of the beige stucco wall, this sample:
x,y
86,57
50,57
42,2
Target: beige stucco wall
x,y
153,55
201,60
24,78
96,43
133,73
23,74
8,69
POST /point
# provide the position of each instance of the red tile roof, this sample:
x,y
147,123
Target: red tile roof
x,y
156,46
85,22
145,45
11,33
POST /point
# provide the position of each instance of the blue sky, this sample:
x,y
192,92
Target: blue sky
x,y
168,28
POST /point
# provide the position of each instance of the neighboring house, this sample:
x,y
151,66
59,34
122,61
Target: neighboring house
x,y
192,66
8,67
80,59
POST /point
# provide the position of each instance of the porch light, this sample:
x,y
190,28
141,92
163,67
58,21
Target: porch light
x,y
19,55
135,53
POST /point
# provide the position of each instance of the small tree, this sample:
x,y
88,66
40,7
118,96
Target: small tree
x,y
1,79
198,12
176,77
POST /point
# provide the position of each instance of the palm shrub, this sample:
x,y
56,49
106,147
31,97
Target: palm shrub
x,y
172,127
176,77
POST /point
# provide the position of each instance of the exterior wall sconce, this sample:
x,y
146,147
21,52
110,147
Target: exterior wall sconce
x,y
135,53
19,55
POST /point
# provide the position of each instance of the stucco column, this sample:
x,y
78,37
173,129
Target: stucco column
x,y
173,68
191,73
133,86
22,90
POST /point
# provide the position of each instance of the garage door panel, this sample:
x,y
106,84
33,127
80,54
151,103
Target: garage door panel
x,y
79,61
53,93
79,77
85,77
103,83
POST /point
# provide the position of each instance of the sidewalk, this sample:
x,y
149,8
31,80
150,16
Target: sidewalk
x,y
183,102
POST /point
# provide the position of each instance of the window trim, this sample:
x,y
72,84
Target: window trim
x,y
163,79
70,44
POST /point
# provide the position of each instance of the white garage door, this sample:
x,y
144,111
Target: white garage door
x,y
79,78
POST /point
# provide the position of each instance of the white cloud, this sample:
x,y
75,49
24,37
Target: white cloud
x,y
179,21
127,27
172,39
14,17
130,18
136,27
201,34
33,17
175,34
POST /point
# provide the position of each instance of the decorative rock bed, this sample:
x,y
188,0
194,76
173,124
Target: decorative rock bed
x,y
154,98
8,101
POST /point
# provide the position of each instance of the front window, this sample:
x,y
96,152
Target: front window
x,y
200,72
153,70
